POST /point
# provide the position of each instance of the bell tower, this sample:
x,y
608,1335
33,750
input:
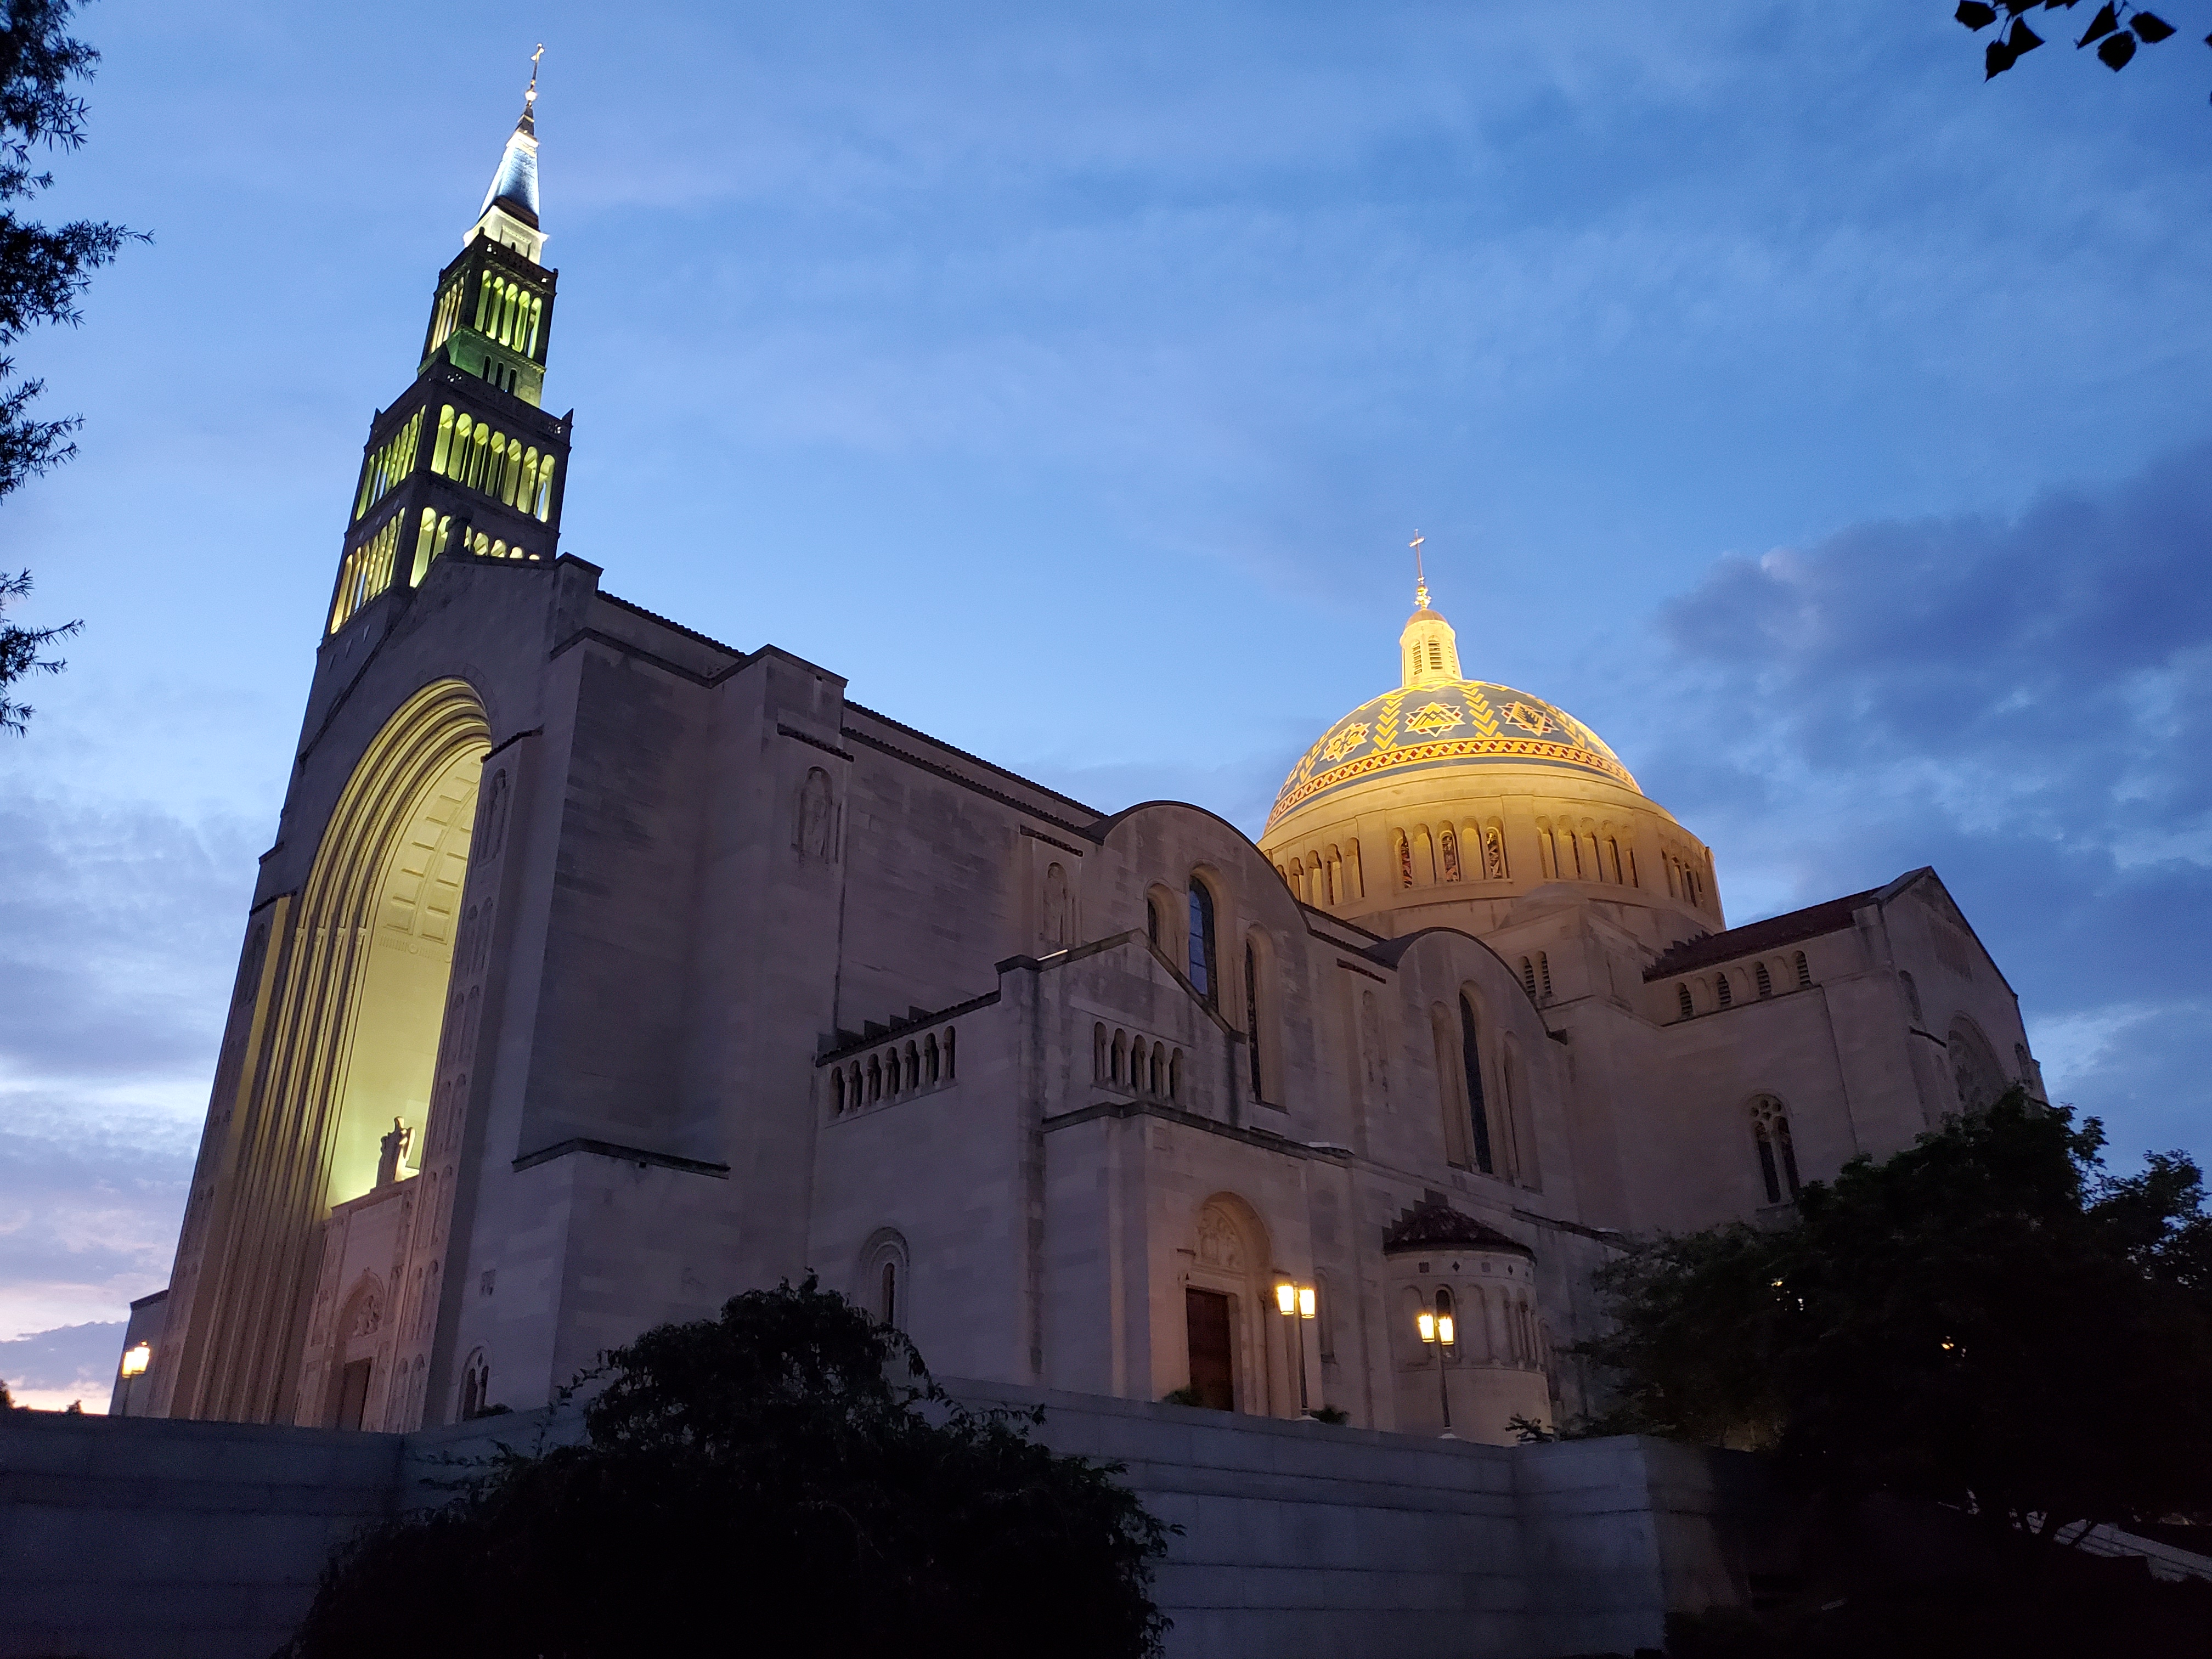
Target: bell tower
x,y
466,464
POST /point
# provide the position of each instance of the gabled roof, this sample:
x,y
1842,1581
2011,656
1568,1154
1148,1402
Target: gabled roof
x,y
1433,1225
1792,927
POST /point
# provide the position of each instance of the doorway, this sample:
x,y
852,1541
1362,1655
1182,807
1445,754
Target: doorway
x,y
1212,1374
353,1393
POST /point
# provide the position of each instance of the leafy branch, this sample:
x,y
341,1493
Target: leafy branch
x,y
2115,31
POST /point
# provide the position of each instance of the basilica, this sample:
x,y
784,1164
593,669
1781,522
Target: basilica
x,y
599,970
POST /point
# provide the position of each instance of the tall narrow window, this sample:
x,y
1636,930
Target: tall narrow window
x,y
887,1292
1477,1118
1765,979
1252,1019
1804,971
1682,1002
1529,975
1202,976
1152,920
1448,845
1777,1159
1544,971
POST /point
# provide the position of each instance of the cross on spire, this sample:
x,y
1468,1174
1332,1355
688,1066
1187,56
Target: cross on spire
x,y
1420,576
528,123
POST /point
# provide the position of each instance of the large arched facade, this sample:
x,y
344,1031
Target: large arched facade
x,y
352,977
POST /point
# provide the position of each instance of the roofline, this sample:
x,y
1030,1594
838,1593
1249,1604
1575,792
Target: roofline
x,y
977,760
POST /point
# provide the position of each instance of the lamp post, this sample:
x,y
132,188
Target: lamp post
x,y
135,1362
1437,1331
1296,1303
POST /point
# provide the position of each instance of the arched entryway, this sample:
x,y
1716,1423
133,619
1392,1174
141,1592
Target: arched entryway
x,y
355,985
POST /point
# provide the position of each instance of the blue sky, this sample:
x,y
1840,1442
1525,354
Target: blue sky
x,y
1824,427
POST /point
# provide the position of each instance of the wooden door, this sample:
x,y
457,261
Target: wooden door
x,y
1212,1374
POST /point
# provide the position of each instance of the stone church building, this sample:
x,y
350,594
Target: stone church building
x,y
599,970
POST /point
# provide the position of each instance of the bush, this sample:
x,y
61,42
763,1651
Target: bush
x,y
787,1476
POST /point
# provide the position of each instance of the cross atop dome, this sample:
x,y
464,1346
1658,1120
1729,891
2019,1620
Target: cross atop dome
x,y
1428,650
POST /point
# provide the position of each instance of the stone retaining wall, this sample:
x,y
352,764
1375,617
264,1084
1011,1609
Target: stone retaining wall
x,y
158,1540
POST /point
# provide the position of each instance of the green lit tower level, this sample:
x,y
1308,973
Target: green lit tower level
x,y
467,464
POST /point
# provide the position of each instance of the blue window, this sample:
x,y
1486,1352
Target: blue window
x,y
1202,975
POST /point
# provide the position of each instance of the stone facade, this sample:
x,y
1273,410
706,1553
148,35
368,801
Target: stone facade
x,y
600,970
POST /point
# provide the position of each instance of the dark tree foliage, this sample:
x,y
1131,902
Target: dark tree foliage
x,y
2115,31
786,1478
44,271
19,649
1985,1319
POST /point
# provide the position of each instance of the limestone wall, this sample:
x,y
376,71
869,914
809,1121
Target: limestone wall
x,y
167,1540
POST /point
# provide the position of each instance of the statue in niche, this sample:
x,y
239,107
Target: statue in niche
x,y
1370,1043
1056,928
815,831
496,814
391,1151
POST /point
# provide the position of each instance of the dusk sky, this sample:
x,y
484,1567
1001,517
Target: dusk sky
x,y
1826,428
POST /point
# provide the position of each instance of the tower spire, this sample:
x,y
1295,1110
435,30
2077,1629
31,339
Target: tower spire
x,y
1420,577
509,214
466,463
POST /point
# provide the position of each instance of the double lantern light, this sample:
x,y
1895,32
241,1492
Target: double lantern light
x,y
1436,1327
1294,1303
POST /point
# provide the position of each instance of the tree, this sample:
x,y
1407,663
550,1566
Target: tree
x,y
787,1476
2117,31
1985,1319
19,652
44,271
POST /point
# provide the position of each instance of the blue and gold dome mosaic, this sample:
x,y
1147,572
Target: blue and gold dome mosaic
x,y
1445,723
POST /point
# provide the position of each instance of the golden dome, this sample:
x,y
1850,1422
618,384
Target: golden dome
x,y
1435,718
1452,722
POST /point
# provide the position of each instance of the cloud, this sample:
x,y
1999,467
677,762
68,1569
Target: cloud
x,y
2023,701
117,927
86,1225
49,1370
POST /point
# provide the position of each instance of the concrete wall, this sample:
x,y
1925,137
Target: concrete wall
x,y
173,1540
169,1540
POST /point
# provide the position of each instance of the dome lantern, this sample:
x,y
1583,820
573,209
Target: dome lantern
x,y
1428,650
